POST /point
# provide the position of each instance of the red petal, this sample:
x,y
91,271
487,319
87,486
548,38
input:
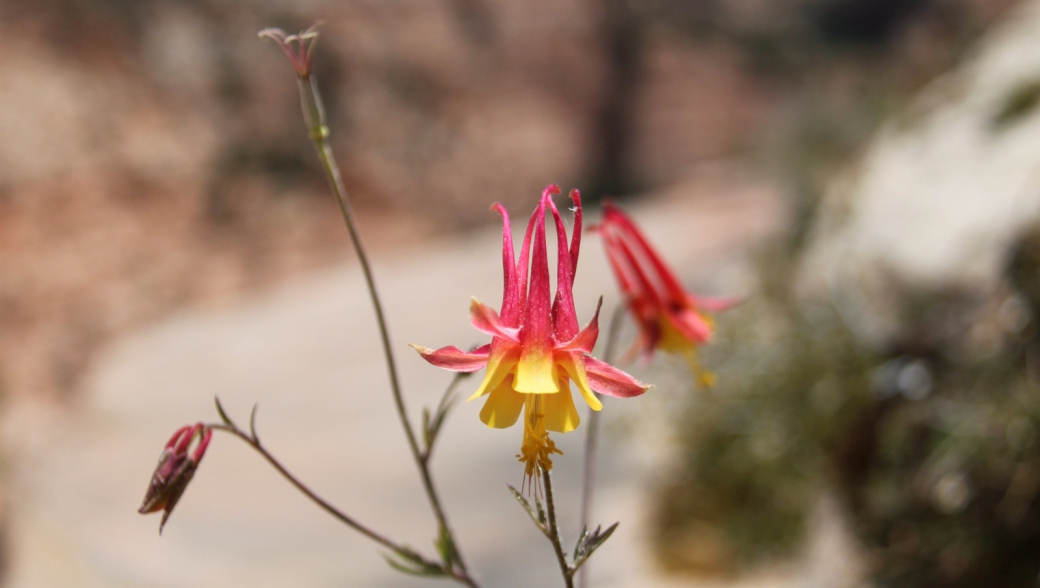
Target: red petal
x,y
522,270
511,287
454,359
617,263
486,320
565,319
536,317
200,450
629,230
691,325
176,436
575,197
643,287
610,381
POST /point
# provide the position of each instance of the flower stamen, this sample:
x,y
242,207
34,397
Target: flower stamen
x,y
537,447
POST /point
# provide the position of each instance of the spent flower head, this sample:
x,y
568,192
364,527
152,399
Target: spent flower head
x,y
298,48
175,469
669,318
537,347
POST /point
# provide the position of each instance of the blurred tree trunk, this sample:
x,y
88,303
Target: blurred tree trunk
x,y
610,172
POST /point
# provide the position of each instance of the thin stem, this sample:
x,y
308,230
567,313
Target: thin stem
x,y
324,504
314,115
328,507
447,399
588,476
554,532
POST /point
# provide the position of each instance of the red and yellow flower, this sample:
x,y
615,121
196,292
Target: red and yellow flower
x,y
537,347
669,318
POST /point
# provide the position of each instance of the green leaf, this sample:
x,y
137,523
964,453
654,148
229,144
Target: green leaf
x,y
543,520
581,538
537,518
589,543
407,561
223,415
446,548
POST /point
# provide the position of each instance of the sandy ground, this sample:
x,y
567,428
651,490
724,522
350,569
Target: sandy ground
x,y
307,352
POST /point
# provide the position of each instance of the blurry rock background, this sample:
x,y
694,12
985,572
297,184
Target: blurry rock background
x,y
154,156
889,356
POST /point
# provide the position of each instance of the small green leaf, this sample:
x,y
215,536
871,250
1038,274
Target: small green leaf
x,y
543,520
590,543
410,562
530,511
423,570
581,539
223,415
446,548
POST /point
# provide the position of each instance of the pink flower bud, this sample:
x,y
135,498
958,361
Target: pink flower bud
x,y
175,469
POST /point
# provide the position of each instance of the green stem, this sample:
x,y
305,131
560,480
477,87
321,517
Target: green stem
x,y
314,116
588,478
554,532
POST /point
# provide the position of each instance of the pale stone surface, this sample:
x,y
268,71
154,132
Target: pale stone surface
x,y
939,194
308,353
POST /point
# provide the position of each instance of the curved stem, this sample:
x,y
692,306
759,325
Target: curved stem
x,y
314,116
321,502
588,475
554,532
328,507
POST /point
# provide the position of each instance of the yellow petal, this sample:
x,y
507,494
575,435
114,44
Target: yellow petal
x,y
535,372
574,364
503,406
500,364
560,414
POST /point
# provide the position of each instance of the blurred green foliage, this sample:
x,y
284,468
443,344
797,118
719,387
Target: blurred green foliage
x,y
790,381
928,440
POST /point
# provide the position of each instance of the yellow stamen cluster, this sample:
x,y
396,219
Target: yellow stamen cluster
x,y
537,447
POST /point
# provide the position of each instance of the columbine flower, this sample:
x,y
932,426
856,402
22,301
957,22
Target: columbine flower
x,y
298,48
174,471
537,347
669,318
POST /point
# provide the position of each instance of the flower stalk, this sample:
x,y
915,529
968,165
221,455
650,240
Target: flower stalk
x,y
554,532
588,470
299,50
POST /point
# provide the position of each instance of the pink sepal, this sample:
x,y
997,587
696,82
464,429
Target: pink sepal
x,y
486,320
610,381
586,339
714,304
454,359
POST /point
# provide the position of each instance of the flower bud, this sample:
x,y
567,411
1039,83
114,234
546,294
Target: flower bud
x,y
175,469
